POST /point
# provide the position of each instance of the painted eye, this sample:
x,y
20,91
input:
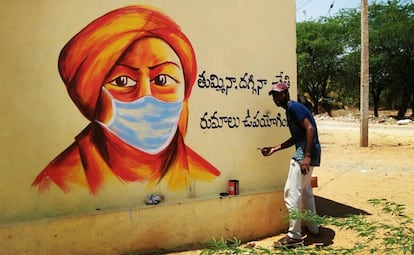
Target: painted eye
x,y
123,81
164,80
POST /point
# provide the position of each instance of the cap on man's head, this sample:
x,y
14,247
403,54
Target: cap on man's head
x,y
278,87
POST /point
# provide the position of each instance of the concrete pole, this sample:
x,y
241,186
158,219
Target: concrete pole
x,y
364,83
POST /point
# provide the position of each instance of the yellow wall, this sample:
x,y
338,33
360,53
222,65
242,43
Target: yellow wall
x,y
167,227
39,121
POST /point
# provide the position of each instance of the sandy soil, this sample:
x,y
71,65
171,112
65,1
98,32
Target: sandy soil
x,y
350,175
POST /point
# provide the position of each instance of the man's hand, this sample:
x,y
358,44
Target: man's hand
x,y
267,151
304,166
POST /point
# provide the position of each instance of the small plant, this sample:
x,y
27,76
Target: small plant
x,y
232,246
394,237
398,236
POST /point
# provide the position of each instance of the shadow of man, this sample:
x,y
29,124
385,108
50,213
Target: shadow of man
x,y
325,237
329,208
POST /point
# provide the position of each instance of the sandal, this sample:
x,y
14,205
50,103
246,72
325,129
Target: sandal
x,y
288,242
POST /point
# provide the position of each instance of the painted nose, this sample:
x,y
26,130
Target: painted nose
x,y
144,86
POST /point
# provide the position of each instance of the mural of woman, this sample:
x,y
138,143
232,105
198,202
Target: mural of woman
x,y
130,72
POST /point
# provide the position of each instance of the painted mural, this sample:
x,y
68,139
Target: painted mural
x,y
130,73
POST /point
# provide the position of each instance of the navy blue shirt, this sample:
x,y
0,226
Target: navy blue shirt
x,y
294,113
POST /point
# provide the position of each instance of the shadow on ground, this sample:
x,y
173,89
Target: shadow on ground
x,y
330,208
327,207
325,237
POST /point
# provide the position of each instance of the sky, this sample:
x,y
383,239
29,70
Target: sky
x,y
313,9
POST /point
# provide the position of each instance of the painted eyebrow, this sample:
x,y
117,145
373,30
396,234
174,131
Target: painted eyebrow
x,y
151,67
131,67
163,63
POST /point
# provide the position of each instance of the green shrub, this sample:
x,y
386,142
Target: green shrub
x,y
395,236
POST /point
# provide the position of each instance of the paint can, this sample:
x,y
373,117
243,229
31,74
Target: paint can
x,y
233,187
314,181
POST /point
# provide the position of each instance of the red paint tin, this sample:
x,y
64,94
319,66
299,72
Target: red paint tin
x,y
233,187
314,181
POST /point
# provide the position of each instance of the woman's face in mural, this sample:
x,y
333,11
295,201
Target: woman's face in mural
x,y
142,97
149,68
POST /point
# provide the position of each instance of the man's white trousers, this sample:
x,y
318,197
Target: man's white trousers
x,y
298,192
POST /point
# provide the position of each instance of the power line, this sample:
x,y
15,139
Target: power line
x,y
330,7
303,4
306,2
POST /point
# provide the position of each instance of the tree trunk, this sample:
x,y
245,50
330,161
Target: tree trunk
x,y
315,104
376,99
404,106
376,94
412,106
402,111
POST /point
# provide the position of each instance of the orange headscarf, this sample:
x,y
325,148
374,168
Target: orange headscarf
x,y
90,54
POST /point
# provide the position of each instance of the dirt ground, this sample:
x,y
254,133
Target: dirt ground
x,y
350,175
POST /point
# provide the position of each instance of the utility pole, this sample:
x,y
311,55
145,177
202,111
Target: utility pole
x,y
364,83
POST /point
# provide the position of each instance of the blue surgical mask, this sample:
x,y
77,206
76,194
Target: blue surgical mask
x,y
147,123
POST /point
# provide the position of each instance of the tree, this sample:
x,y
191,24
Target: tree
x,y
328,53
319,49
392,45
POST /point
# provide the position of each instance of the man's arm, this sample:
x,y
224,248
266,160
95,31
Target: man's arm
x,y
310,137
267,151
